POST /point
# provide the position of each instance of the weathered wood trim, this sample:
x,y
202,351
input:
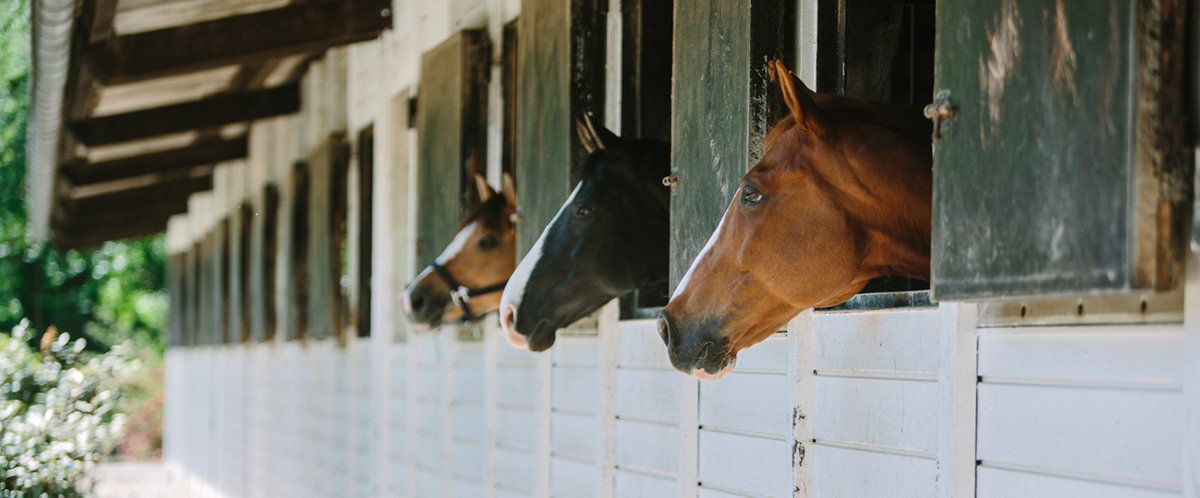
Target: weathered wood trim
x,y
303,27
366,229
212,111
299,229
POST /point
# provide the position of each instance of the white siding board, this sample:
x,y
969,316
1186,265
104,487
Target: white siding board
x,y
648,447
574,436
637,484
747,401
890,413
852,473
648,395
748,464
572,479
1151,356
890,340
1004,483
1124,435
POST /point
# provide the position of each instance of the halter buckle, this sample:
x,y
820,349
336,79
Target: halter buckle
x,y
461,295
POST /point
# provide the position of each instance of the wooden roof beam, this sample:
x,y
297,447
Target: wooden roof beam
x,y
207,152
179,188
299,28
213,111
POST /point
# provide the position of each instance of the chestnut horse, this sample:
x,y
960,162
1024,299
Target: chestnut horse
x,y
464,282
843,194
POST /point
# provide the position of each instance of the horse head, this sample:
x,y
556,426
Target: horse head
x,y
609,238
465,280
842,194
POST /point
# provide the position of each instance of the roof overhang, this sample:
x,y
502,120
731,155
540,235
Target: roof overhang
x,y
134,102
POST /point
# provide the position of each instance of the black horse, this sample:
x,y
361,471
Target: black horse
x,y
609,238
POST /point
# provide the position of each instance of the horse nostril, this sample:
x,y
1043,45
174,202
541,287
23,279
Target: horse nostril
x,y
508,317
664,329
508,322
417,301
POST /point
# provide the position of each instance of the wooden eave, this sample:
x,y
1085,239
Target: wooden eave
x,y
160,91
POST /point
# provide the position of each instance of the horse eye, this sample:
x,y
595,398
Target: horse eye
x,y
488,242
751,196
583,211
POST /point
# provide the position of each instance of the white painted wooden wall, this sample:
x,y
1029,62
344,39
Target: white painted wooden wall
x,y
889,403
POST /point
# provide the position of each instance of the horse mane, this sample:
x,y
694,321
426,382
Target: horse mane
x,y
903,119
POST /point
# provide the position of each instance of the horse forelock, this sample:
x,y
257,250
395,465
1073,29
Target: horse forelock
x,y
490,214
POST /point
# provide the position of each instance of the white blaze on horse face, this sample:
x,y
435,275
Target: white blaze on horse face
x,y
683,283
456,246
515,290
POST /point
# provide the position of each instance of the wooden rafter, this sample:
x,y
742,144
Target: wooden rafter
x,y
178,188
208,152
212,111
249,38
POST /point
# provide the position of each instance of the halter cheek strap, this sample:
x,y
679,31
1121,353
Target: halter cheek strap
x,y
460,294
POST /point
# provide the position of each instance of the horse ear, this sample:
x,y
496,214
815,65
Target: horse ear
x,y
509,189
798,97
594,136
481,186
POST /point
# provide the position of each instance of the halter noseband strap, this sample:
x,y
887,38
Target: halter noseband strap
x,y
460,294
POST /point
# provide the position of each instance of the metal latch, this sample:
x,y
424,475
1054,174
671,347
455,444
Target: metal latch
x,y
942,109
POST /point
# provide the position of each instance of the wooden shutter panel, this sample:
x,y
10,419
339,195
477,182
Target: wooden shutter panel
x,y
1061,170
452,135
560,74
723,106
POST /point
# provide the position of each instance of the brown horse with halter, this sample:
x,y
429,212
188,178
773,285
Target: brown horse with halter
x,y
842,195
464,282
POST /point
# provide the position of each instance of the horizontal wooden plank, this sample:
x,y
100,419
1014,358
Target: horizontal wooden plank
x,y
882,340
649,394
892,414
750,465
648,448
640,345
304,27
576,390
576,350
1003,483
466,423
1123,435
760,403
467,463
517,387
571,478
838,472
199,154
516,471
212,111
630,483
1132,356
575,437
519,429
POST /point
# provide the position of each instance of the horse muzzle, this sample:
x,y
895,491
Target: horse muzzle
x,y
696,349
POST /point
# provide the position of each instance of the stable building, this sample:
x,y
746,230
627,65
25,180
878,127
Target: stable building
x,y
306,158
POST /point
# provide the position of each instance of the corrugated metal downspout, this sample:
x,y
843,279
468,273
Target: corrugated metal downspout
x,y
51,26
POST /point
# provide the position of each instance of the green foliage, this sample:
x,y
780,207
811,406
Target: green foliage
x,y
109,294
59,412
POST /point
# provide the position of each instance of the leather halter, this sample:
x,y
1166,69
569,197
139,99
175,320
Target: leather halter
x,y
460,294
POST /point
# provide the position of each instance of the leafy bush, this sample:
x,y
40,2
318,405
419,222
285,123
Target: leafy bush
x,y
58,412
